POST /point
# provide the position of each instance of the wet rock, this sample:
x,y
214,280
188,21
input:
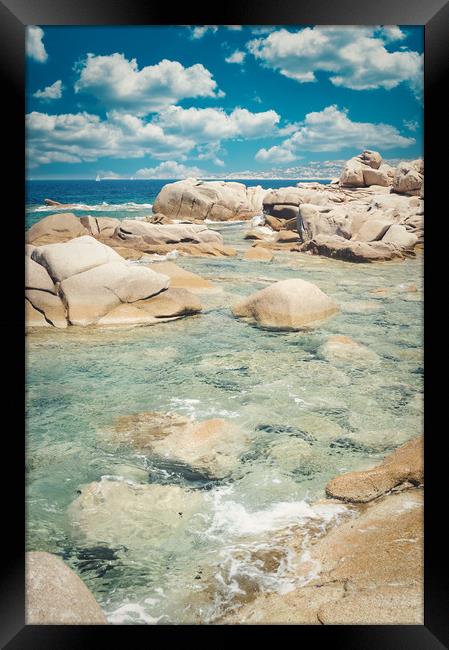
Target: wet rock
x,y
137,516
289,304
172,303
55,595
405,465
259,254
342,349
212,447
182,279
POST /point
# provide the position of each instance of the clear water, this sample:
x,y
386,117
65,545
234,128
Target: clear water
x,y
275,385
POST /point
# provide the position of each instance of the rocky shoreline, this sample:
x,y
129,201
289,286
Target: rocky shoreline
x,y
95,272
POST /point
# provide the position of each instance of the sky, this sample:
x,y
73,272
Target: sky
x,y
220,101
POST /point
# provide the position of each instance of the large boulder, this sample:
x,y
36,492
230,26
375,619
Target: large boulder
x,y
55,595
404,466
55,228
288,304
409,178
73,257
92,294
135,515
141,234
49,305
366,169
382,176
351,251
36,277
212,447
33,317
172,303
216,200
399,235
372,229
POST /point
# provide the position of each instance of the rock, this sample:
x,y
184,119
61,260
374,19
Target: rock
x,y
287,236
33,317
141,234
284,211
261,233
92,294
372,230
382,176
29,248
126,315
90,224
52,203
36,277
74,257
212,447
407,179
215,200
351,251
274,222
288,304
182,279
372,159
314,223
405,465
352,174
342,349
49,305
106,226
258,254
400,236
138,516
171,303
55,228
55,595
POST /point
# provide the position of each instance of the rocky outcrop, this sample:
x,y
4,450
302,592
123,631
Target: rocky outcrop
x,y
84,282
409,178
55,595
399,235
139,234
366,169
404,466
55,228
288,304
212,447
215,200
352,251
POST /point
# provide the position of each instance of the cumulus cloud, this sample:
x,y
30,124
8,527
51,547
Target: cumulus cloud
x,y
236,57
50,92
353,57
118,83
35,48
214,124
201,30
332,130
77,137
170,169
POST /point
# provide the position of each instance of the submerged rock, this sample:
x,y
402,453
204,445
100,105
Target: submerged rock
x,y
258,253
182,279
55,595
405,465
134,515
288,304
342,349
212,447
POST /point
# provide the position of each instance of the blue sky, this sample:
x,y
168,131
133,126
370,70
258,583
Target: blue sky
x,y
169,102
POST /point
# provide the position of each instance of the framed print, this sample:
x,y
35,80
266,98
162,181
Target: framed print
x,y
225,271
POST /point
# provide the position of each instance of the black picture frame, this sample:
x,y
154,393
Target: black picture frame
x,y
15,15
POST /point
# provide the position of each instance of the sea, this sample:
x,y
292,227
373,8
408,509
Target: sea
x,y
308,417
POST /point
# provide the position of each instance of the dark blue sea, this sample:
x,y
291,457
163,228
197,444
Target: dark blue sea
x,y
111,198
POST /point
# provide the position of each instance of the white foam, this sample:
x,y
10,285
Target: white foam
x,y
98,207
132,613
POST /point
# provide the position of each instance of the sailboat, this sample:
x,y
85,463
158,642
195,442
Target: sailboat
x,y
98,178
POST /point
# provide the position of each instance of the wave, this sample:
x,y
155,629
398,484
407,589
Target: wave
x,y
98,207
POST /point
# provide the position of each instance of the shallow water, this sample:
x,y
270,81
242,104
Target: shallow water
x,y
309,419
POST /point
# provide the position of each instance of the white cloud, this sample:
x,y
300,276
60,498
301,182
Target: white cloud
x,y
411,125
200,30
50,92
118,83
34,45
85,137
353,57
332,130
170,169
236,57
214,124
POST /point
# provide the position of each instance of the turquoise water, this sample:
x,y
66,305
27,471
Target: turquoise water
x,y
334,415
